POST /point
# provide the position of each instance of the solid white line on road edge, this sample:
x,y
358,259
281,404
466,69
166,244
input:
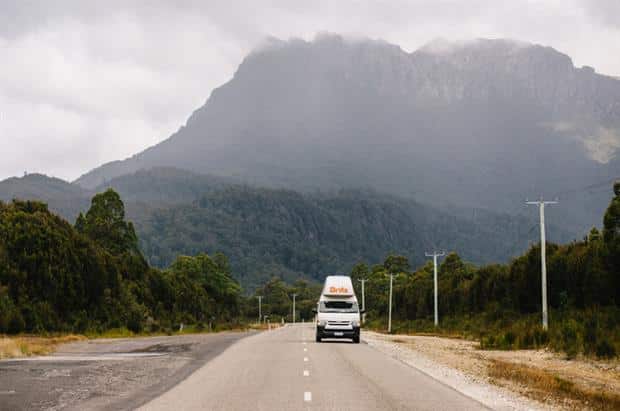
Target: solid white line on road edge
x,y
307,396
306,373
305,359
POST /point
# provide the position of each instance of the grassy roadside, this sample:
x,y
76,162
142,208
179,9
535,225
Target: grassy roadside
x,y
19,346
593,333
541,384
25,346
544,375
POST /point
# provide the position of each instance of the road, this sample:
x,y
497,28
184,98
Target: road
x,y
285,369
107,374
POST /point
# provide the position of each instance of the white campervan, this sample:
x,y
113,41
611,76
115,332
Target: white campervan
x,y
338,315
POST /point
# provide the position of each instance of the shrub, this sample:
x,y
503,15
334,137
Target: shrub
x,y
569,338
509,339
604,349
590,334
16,323
541,337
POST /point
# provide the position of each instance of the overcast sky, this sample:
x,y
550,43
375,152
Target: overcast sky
x,y
86,82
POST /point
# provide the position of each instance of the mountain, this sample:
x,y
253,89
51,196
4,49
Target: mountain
x,y
268,232
164,186
479,124
153,188
63,198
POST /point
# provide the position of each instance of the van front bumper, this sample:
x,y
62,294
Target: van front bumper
x,y
322,332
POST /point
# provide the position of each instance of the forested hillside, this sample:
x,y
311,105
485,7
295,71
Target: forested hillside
x,y
93,277
61,197
287,233
279,232
500,304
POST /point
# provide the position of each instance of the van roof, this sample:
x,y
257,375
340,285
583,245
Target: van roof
x,y
338,286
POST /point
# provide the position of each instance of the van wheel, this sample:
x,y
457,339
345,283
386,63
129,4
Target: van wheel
x,y
356,339
318,338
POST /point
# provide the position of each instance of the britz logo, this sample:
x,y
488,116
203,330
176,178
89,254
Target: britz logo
x,y
336,290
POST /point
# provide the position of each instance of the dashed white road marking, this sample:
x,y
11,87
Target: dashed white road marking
x,y
305,359
307,396
305,349
306,373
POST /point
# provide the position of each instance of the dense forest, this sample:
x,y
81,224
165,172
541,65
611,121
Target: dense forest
x,y
500,303
93,277
267,232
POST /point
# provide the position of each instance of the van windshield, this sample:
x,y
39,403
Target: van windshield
x,y
338,307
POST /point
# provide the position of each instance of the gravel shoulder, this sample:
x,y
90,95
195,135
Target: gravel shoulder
x,y
459,363
107,374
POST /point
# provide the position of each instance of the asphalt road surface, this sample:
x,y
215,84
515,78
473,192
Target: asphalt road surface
x,y
107,374
282,369
285,369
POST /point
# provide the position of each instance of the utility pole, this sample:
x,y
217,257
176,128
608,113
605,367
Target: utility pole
x,y
435,254
260,300
363,280
294,295
390,310
543,257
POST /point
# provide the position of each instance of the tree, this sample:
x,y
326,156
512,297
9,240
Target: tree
x,y
395,264
105,224
611,236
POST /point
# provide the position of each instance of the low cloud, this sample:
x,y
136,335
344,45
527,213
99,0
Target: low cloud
x,y
603,145
82,83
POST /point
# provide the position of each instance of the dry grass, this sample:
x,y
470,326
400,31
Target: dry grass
x,y
25,346
543,385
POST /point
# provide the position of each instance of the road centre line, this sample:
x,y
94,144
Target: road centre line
x,y
306,373
307,396
305,359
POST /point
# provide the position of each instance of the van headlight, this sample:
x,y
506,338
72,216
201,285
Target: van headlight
x,y
322,323
355,323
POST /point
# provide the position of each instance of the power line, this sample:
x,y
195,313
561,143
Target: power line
x,y
434,254
294,295
363,280
260,298
390,309
543,256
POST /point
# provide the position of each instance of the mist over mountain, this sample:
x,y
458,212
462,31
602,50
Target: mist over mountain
x,y
484,123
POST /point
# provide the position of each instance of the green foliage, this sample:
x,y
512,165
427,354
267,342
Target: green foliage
x,y
105,224
54,277
501,304
605,349
283,233
277,300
